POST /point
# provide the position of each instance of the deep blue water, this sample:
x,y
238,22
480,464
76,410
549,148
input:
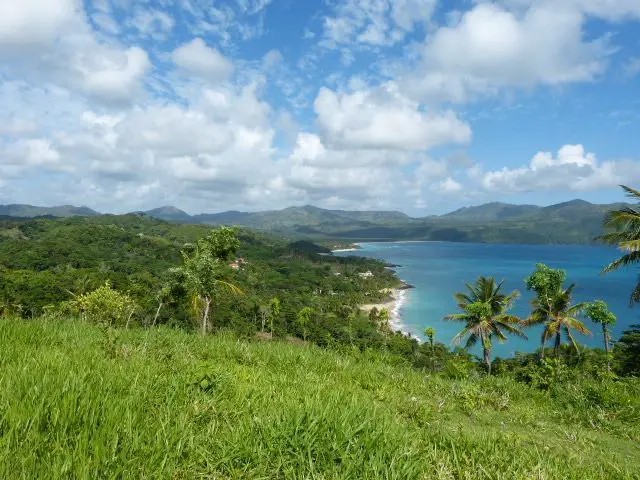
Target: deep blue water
x,y
439,269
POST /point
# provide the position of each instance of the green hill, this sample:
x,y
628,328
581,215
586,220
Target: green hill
x,y
29,211
170,214
576,221
80,399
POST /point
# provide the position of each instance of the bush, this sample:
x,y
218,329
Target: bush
x,y
105,305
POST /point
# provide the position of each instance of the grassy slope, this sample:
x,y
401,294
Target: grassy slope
x,y
76,400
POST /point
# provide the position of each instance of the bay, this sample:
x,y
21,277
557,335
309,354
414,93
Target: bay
x,y
439,269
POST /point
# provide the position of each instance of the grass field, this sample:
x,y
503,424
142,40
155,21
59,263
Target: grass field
x,y
79,401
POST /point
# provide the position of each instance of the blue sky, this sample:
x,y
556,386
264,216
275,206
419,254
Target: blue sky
x,y
417,105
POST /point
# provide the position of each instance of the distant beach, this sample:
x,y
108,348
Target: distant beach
x,y
394,306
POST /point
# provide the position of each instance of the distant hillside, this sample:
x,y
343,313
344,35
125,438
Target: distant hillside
x,y
576,221
170,214
494,211
29,211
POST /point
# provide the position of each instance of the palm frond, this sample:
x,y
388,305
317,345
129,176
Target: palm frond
x,y
471,341
234,289
635,295
632,193
458,338
577,325
460,317
628,259
572,340
630,245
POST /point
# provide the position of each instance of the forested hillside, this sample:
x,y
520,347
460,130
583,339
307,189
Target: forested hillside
x,y
44,262
575,222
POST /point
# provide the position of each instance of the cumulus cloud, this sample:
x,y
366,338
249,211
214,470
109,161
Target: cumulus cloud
x,y
572,168
52,42
492,48
31,23
383,118
198,58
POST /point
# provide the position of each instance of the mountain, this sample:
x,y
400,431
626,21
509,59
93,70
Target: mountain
x,y
490,212
170,214
304,217
576,221
28,211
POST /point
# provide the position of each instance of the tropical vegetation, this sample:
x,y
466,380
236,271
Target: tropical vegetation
x,y
289,377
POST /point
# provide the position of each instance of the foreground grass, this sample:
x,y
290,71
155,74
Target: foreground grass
x,y
77,401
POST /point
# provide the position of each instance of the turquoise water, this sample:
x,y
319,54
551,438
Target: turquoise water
x,y
439,269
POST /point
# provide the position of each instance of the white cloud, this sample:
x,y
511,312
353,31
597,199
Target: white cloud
x,y
196,57
52,42
153,23
383,118
449,186
572,169
612,10
114,75
492,48
375,22
31,23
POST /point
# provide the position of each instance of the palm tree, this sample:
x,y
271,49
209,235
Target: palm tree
x,y
204,265
304,319
431,333
626,235
598,312
558,316
485,309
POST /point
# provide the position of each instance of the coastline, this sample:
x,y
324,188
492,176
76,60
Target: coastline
x,y
353,247
394,306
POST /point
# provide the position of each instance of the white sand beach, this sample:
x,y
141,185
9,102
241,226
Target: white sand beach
x,y
394,305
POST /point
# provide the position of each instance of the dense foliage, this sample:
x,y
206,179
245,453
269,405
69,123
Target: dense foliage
x,y
160,267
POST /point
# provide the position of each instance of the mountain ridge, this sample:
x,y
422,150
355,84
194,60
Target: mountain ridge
x,y
574,221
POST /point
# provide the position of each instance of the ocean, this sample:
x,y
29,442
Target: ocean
x,y
439,269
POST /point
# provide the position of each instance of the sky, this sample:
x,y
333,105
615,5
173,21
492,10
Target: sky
x,y
422,106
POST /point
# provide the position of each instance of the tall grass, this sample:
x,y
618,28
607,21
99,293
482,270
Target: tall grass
x,y
78,401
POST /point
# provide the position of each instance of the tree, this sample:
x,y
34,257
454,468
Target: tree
x,y
627,351
274,311
384,321
552,307
485,312
171,289
625,224
105,305
598,312
303,319
431,333
204,270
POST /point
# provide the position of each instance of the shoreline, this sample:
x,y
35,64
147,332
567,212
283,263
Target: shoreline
x,y
394,306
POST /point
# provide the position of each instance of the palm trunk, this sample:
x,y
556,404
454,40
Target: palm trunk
x,y
433,355
487,359
556,347
205,315
605,332
129,320
155,319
